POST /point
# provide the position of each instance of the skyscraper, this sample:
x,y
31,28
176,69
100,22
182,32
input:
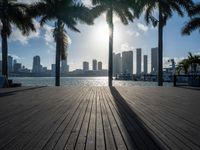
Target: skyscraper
x,y
100,65
36,64
94,64
117,64
10,63
154,60
53,69
127,62
85,66
138,60
64,67
17,67
145,64
14,62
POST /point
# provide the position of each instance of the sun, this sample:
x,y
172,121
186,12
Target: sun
x,y
102,32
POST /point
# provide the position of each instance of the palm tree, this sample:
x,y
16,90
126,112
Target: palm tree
x,y
63,13
183,65
165,11
193,60
12,14
194,22
111,7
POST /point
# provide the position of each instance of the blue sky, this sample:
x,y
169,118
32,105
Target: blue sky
x,y
92,42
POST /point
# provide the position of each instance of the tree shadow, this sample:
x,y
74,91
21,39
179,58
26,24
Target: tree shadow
x,y
140,136
4,94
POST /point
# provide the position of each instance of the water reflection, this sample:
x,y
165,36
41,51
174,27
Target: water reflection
x,y
79,81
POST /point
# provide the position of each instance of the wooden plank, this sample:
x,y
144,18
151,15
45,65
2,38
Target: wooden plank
x,y
81,140
100,138
91,132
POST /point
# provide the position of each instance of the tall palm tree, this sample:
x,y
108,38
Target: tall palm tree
x,y
12,13
183,65
191,61
165,11
194,61
65,13
111,7
194,22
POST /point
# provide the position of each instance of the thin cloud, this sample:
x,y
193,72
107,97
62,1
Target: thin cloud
x,y
142,27
133,33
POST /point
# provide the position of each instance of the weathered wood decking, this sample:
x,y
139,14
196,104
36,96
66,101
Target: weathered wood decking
x,y
99,118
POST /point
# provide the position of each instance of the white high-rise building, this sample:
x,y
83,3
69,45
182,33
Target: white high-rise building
x,y
127,62
100,66
139,61
36,64
117,64
53,69
64,67
85,66
145,71
154,60
94,64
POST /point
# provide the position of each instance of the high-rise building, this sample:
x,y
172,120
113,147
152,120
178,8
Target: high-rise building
x,y
53,69
100,65
17,67
94,64
127,62
138,60
154,60
64,67
145,64
10,63
85,66
117,64
36,64
14,62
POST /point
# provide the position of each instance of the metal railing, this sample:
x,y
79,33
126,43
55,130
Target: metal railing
x,y
187,80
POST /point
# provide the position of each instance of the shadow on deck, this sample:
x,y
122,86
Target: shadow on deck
x,y
140,136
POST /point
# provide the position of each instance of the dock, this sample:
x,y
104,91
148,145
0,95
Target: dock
x,y
99,118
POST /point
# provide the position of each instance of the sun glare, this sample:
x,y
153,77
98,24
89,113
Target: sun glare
x,y
102,32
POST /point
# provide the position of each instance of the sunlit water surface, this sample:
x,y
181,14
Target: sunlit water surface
x,y
79,81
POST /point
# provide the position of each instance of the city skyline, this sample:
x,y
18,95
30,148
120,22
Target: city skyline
x,y
140,62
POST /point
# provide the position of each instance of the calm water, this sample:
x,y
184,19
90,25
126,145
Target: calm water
x,y
79,81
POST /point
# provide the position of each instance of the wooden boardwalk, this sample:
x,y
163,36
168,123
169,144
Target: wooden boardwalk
x,y
46,118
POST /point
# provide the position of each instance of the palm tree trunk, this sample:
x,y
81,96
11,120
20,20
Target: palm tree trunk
x,y
59,23
4,49
4,55
110,59
160,49
4,41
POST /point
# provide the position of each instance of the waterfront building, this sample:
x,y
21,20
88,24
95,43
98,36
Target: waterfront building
x,y
17,67
64,67
85,66
138,61
145,59
36,65
53,69
127,62
94,64
10,64
14,62
117,64
100,67
154,60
